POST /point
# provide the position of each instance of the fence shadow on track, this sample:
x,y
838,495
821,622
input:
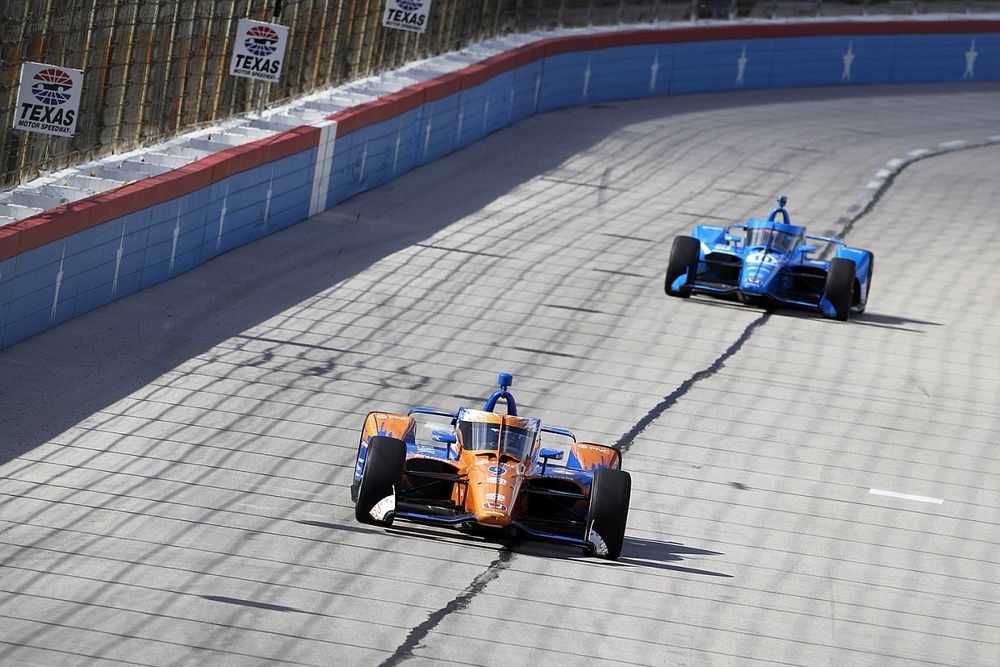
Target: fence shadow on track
x,y
57,378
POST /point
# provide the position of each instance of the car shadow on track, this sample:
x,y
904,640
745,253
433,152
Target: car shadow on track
x,y
892,322
867,319
636,552
663,555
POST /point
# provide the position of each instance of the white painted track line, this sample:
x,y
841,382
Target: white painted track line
x,y
905,496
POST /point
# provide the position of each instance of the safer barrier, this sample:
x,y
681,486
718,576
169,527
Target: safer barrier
x,y
66,261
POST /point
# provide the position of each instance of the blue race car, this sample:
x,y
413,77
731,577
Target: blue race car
x,y
769,265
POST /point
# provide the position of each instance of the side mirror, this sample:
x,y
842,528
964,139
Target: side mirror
x,y
547,453
443,436
732,238
807,248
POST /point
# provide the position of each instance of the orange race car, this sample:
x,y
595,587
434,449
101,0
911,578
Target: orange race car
x,y
481,469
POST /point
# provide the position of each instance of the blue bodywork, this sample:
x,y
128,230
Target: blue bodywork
x,y
769,262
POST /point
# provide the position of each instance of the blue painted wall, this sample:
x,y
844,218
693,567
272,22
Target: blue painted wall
x,y
51,284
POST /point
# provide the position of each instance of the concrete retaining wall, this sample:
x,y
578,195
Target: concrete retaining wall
x,y
68,260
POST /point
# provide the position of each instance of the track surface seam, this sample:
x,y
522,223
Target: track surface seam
x,y
506,556
890,178
461,601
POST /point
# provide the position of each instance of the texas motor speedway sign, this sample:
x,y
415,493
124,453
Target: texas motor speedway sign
x,y
48,99
406,14
259,50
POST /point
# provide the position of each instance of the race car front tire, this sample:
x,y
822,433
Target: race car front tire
x,y
840,286
683,260
380,478
608,512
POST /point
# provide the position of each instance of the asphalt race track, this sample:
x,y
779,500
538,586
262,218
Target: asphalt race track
x,y
175,466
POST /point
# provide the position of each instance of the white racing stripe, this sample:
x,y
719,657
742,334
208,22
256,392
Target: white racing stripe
x,y
905,496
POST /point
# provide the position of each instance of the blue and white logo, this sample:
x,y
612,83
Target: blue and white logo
x,y
499,472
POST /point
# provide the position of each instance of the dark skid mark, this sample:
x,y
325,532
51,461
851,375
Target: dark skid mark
x,y
737,192
461,601
326,369
627,237
334,526
605,179
599,186
575,308
288,343
681,568
629,437
805,149
532,350
250,603
621,273
479,253
703,215
739,485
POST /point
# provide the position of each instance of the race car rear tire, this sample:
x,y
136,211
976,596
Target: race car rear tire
x,y
608,512
381,476
840,286
683,260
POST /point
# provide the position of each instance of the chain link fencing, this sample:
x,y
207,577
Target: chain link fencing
x,y
157,68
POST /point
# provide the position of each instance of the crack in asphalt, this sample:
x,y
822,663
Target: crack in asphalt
x,y
627,438
405,650
670,399
413,640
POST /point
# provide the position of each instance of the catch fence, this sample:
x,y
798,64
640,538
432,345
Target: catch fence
x,y
156,68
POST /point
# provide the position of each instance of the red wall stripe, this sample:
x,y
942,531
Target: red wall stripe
x,y
62,221
74,217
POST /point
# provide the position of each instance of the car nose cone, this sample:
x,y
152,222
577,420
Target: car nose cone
x,y
755,279
492,492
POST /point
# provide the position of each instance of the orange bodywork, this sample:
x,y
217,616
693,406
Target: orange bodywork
x,y
387,424
593,456
494,486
